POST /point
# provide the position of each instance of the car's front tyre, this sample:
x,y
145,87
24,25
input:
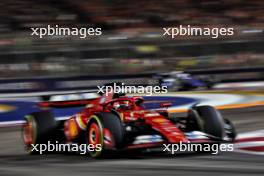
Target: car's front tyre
x,y
106,130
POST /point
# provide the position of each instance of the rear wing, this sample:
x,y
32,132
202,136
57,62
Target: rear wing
x,y
70,99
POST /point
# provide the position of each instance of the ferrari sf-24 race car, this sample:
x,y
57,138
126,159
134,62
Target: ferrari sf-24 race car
x,y
119,123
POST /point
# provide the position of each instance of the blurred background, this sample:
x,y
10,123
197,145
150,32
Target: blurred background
x,y
132,40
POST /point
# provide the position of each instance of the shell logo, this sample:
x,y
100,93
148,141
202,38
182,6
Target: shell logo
x,y
6,108
72,131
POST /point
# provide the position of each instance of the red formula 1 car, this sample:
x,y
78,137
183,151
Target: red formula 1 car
x,y
119,122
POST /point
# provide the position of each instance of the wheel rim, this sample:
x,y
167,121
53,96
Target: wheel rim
x,y
95,137
28,135
94,134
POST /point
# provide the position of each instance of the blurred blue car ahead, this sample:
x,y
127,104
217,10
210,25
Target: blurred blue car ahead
x,y
176,81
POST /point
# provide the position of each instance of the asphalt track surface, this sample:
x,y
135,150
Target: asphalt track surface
x,y
15,162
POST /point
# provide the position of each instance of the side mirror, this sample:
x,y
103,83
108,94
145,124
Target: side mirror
x,y
165,104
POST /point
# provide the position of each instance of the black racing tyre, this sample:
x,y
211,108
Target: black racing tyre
x,y
96,124
194,121
38,129
212,121
230,130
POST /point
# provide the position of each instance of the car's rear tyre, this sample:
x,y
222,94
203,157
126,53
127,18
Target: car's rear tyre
x,y
105,129
38,129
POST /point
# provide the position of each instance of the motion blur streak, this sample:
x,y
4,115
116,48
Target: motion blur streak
x,y
130,47
13,159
